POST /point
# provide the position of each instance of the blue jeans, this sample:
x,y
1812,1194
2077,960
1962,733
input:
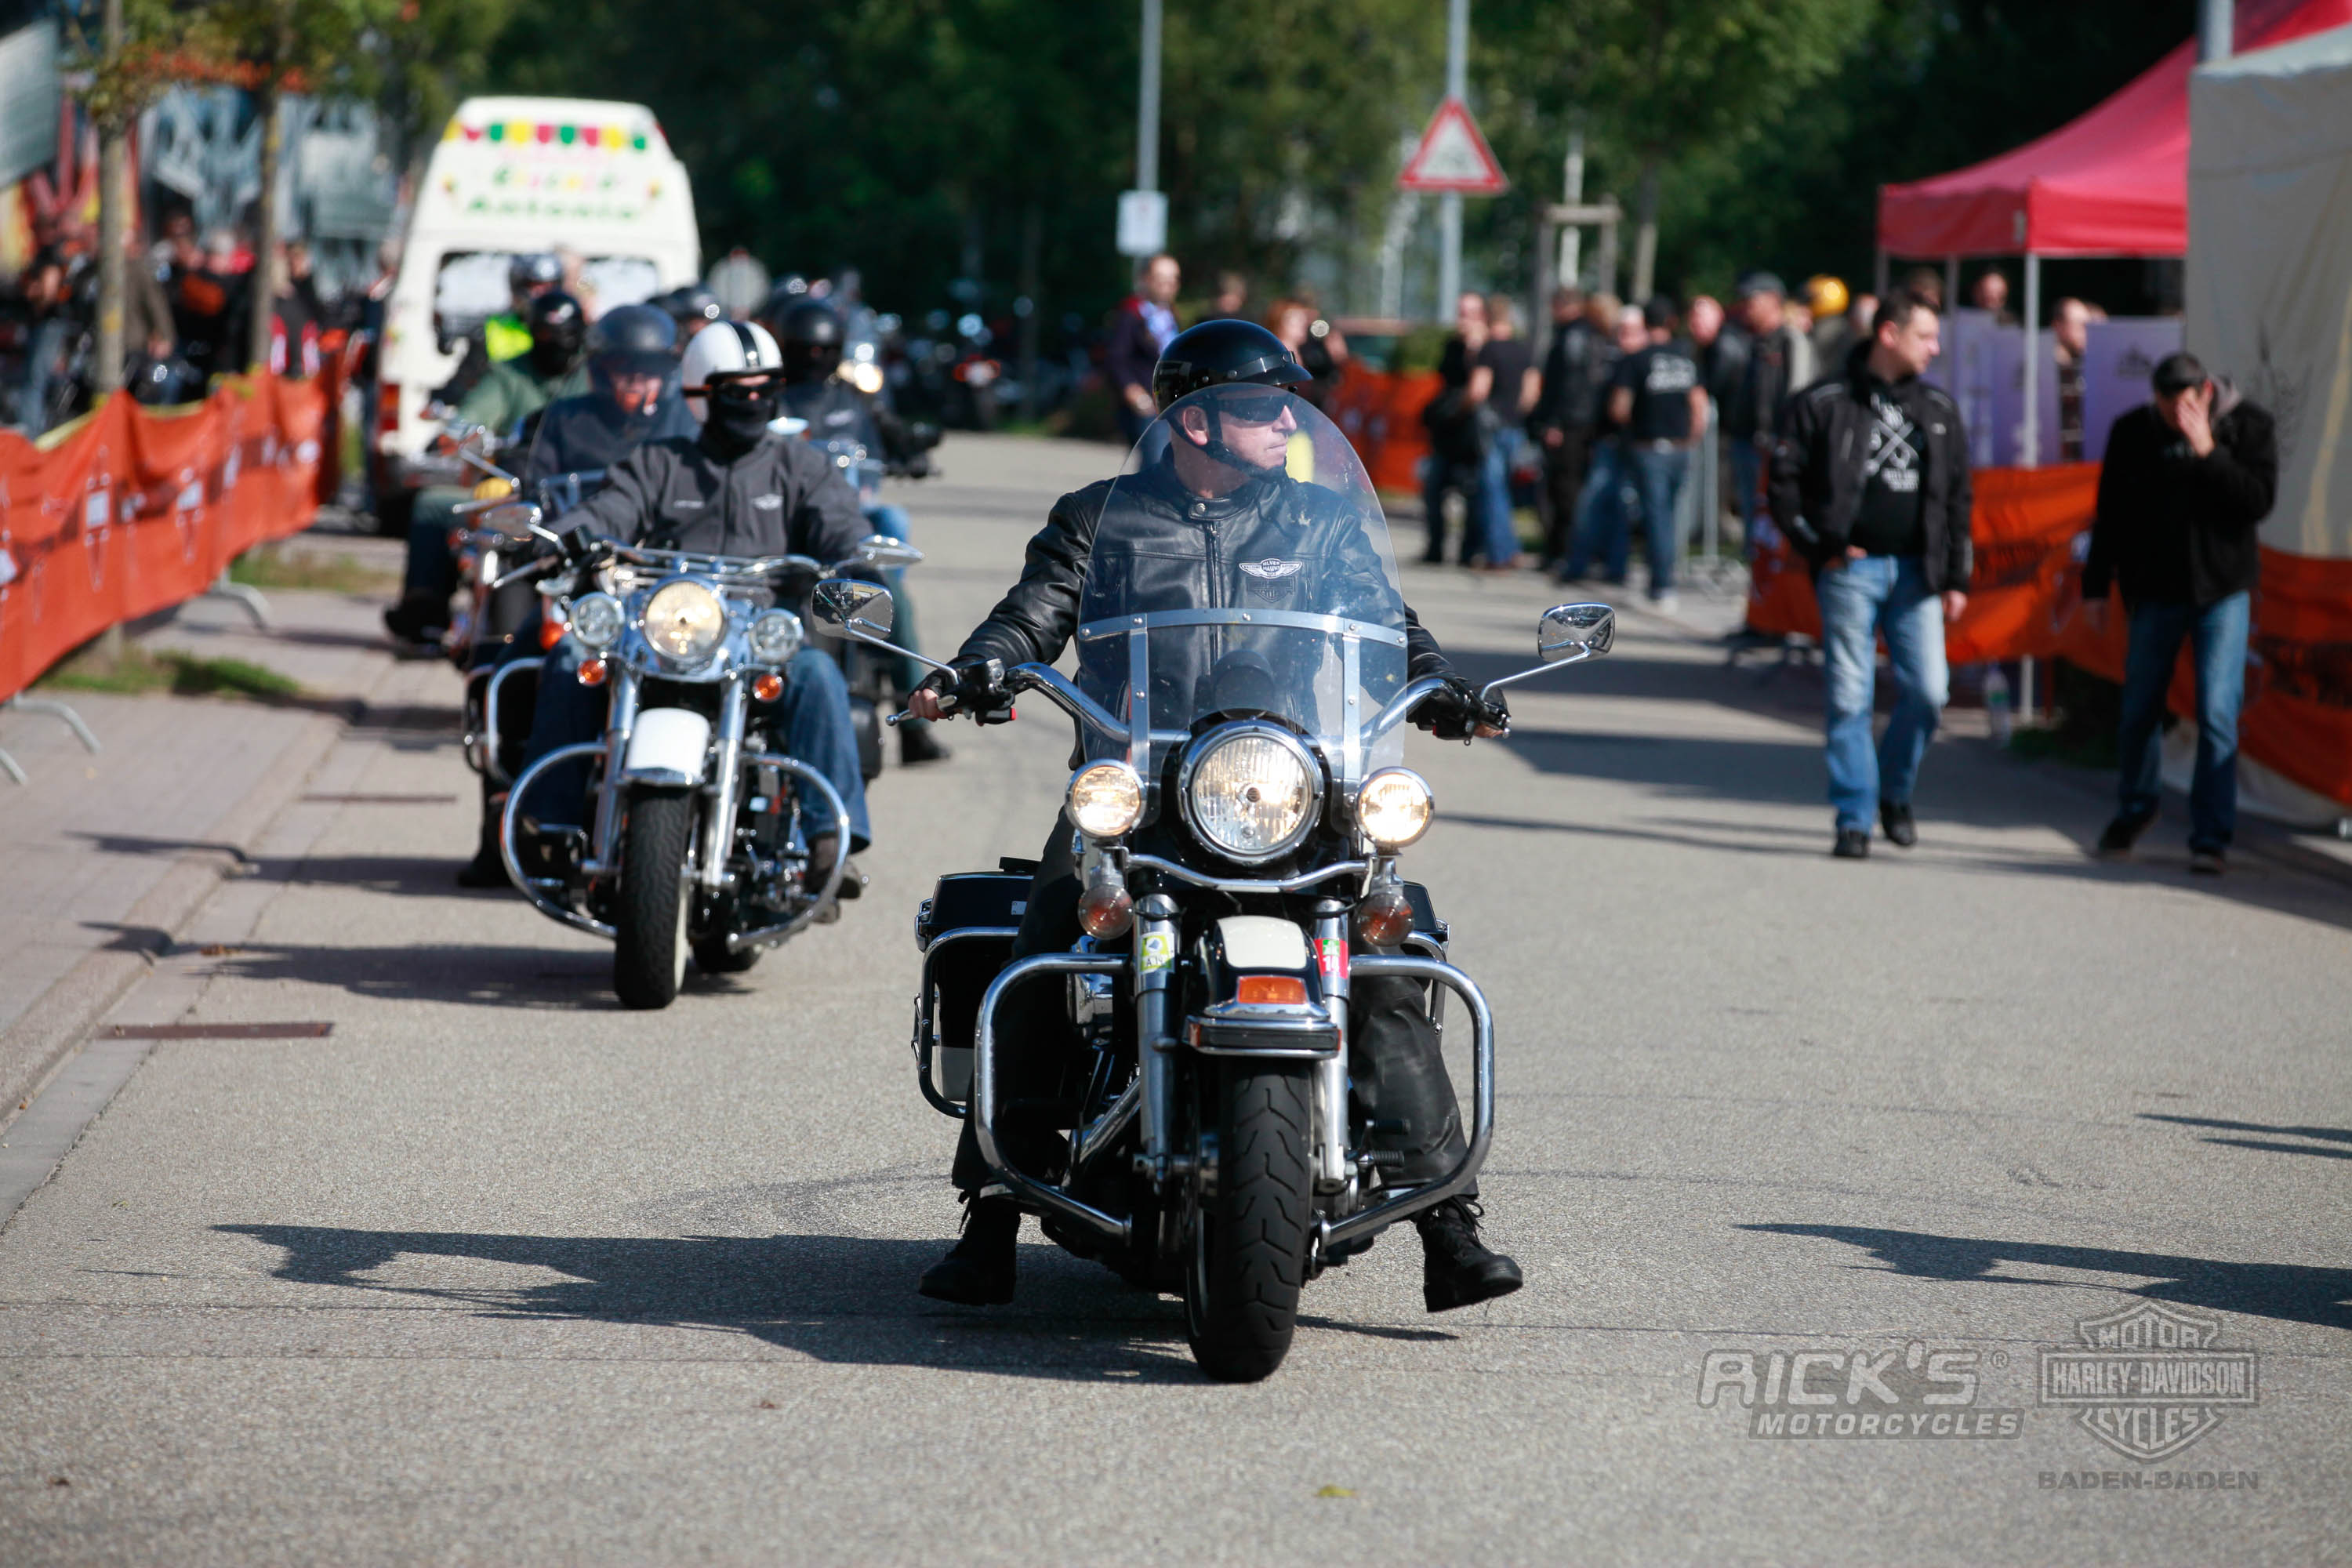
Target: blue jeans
x,y
431,565
1437,477
811,719
1658,475
1501,535
908,673
1747,474
1860,600
1601,512
2217,635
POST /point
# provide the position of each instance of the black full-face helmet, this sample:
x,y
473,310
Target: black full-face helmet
x,y
1219,353
559,330
812,334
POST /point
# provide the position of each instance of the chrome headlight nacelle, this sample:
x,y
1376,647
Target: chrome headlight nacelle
x,y
683,621
1250,791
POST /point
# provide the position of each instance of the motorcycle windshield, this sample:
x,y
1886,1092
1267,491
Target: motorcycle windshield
x,y
1241,568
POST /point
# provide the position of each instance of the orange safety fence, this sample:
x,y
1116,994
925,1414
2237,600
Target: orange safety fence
x,y
2032,528
131,510
1381,412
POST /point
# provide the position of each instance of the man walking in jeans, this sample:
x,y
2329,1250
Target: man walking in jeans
x,y
2187,481
1870,482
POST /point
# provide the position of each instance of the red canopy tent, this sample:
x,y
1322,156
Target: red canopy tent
x,y
2114,182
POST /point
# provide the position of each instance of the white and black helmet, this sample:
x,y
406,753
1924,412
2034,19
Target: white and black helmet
x,y
722,351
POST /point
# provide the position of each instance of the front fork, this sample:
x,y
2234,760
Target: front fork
x,y
718,839
1155,966
1332,1170
620,717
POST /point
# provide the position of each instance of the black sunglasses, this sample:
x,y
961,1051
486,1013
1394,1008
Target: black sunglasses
x,y
1257,408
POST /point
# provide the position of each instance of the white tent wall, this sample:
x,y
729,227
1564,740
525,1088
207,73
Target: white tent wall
x,y
2270,265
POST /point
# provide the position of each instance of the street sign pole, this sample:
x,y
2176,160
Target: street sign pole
x,y
1143,211
1449,211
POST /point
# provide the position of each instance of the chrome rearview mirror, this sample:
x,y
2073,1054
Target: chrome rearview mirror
x,y
1572,631
848,608
516,520
881,550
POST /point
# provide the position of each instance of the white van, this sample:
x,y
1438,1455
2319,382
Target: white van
x,y
513,176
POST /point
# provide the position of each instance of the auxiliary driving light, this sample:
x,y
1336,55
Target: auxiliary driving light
x,y
1394,808
596,619
774,636
1106,800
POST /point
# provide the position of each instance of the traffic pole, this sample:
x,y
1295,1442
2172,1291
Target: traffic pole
x,y
1449,205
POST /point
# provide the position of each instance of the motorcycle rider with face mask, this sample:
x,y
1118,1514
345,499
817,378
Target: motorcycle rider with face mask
x,y
736,489
1225,468
811,335
508,392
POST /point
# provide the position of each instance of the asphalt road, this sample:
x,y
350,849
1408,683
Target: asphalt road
x,y
496,1272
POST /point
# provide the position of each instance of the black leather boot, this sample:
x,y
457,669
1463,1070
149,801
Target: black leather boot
x,y
486,869
978,1271
917,745
1457,1268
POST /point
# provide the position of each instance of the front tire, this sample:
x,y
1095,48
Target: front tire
x,y
1247,1257
649,911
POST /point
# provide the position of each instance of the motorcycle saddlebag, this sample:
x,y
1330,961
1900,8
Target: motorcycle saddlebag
x,y
957,969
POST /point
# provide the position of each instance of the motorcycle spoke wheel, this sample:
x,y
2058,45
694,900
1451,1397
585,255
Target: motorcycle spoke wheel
x,y
1247,1257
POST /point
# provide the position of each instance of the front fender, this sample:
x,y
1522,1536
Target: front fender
x,y
666,746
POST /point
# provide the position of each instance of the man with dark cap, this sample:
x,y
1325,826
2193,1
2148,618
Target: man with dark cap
x,y
2187,481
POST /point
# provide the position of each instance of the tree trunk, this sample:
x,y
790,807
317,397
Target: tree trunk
x,y
260,294
113,200
1033,226
1645,233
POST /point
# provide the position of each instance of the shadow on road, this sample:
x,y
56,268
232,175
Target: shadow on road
x,y
2269,1145
839,1299
479,976
2290,1292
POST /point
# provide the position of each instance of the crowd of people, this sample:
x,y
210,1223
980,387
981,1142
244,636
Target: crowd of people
x,y
187,315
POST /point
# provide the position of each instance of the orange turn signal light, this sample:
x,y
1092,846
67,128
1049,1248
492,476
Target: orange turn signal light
x,y
1106,910
1271,991
592,672
767,687
1384,919
550,632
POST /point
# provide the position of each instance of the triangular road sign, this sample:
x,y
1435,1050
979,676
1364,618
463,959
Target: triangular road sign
x,y
1453,156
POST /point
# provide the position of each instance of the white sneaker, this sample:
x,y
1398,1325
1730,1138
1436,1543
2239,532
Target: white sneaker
x,y
1667,603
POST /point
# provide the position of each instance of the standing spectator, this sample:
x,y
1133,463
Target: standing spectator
x,y
1870,482
2069,334
1859,316
1568,398
2185,481
205,300
1141,327
1990,292
1924,284
1827,299
1231,302
1461,432
1703,324
1510,384
49,386
1657,398
1607,499
1315,342
1778,363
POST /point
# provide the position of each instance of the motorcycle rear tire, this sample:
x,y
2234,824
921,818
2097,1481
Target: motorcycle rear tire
x,y
651,906
711,957
1248,1254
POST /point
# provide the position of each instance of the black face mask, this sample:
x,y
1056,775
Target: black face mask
x,y
738,419
553,356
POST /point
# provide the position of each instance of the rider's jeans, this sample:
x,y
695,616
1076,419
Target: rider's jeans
x,y
432,565
1861,600
811,719
1396,1073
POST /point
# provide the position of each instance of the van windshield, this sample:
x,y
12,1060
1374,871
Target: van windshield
x,y
471,286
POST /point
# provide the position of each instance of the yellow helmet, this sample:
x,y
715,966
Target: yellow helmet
x,y
1826,295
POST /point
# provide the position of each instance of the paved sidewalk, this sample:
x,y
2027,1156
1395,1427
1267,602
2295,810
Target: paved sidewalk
x,y
108,853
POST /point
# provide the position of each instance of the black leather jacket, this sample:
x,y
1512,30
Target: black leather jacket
x,y
781,496
1273,544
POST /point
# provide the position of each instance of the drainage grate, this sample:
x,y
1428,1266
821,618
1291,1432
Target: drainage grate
x,y
382,799
309,1029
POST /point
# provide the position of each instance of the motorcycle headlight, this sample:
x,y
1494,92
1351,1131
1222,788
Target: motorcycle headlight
x,y
1250,791
775,638
596,620
1106,800
683,621
1394,808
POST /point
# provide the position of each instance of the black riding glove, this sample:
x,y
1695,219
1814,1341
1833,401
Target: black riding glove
x,y
1453,712
977,687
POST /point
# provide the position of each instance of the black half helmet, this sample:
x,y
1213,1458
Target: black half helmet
x,y
558,324
633,340
1219,353
810,321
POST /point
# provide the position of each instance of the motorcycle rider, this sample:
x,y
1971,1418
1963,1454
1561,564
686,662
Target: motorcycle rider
x,y
508,334
736,489
1227,455
508,392
634,399
811,334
